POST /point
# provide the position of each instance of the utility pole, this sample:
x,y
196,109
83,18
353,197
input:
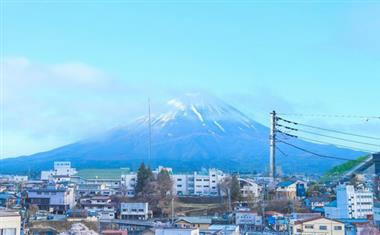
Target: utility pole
x,y
272,150
229,199
150,134
172,212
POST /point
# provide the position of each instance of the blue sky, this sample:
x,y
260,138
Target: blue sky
x,y
72,69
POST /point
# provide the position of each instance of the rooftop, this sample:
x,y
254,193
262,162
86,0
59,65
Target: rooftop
x,y
285,183
195,220
8,213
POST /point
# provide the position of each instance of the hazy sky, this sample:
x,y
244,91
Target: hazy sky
x,y
73,69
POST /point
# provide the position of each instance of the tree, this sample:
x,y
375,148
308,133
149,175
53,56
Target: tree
x,y
235,188
144,175
231,185
164,183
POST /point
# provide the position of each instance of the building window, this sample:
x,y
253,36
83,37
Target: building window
x,y
322,227
179,179
8,231
337,227
309,226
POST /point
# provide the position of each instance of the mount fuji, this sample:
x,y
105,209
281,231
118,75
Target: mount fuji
x,y
197,131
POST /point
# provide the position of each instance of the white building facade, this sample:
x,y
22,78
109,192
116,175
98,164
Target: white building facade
x,y
134,210
351,203
62,172
10,223
205,184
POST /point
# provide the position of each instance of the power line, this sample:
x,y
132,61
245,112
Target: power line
x,y
313,153
283,153
330,116
339,138
325,142
330,130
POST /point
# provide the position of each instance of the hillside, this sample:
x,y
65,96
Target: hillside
x,y
339,170
195,132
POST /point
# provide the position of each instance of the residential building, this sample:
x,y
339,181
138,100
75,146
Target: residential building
x,y
316,202
223,229
114,232
176,231
318,225
248,221
10,222
193,222
62,172
291,190
13,178
93,189
128,183
52,198
376,214
249,188
134,210
7,200
350,203
204,183
101,206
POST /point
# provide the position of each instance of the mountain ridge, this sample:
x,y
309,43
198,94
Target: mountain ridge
x,y
196,132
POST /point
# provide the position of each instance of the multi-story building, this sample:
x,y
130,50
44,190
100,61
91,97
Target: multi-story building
x,y
53,198
61,173
317,225
204,183
10,222
350,203
128,183
249,188
101,206
13,178
376,214
134,210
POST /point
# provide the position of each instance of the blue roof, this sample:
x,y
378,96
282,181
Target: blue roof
x,y
285,183
348,221
6,196
331,204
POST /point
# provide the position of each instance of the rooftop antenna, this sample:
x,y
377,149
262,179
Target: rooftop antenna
x,y
150,133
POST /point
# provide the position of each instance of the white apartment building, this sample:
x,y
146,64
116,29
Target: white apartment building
x,y
62,172
10,222
350,203
202,184
134,210
128,183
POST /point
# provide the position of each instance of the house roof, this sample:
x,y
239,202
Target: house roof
x,y
332,204
285,183
195,220
315,218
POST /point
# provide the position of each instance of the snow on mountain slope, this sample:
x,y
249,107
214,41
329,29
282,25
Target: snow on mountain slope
x,y
196,131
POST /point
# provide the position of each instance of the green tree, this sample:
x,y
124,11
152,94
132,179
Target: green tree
x,y
235,188
144,176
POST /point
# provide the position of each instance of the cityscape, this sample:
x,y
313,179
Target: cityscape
x,y
189,117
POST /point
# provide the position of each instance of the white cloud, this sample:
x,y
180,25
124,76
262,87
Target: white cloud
x,y
45,106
